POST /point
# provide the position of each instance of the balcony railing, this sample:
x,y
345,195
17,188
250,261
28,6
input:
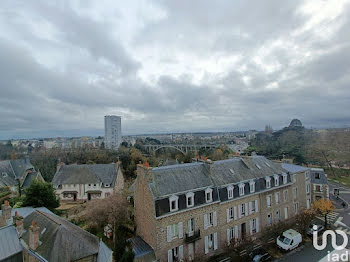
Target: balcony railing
x,y
193,236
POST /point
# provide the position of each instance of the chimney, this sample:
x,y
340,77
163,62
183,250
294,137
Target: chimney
x,y
6,210
209,166
34,234
18,220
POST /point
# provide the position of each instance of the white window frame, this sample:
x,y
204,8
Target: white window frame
x,y
243,209
176,200
277,197
210,192
230,192
285,178
295,192
277,180
231,213
190,195
241,189
296,208
252,186
268,199
285,195
268,182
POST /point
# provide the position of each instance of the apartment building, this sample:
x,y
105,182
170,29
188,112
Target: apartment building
x,y
194,210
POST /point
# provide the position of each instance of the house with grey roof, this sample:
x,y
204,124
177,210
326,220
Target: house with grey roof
x,y
319,181
86,182
197,210
36,234
17,172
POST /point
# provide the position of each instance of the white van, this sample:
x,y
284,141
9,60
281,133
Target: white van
x,y
289,240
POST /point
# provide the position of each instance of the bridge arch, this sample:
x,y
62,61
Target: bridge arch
x,y
169,146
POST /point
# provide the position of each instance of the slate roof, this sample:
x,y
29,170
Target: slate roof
x,y
11,170
294,168
104,253
179,178
86,174
9,242
60,240
29,178
24,212
323,178
140,247
168,180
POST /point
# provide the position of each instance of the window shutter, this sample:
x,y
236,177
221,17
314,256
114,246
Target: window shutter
x,y
236,232
246,209
206,245
286,213
321,188
276,198
228,236
214,219
256,206
189,226
215,241
181,252
314,187
251,227
205,221
170,255
180,229
239,211
257,225
169,236
250,207
228,215
235,213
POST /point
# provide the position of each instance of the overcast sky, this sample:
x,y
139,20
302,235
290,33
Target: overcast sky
x,y
170,66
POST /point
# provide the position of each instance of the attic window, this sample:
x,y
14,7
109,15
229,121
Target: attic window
x,y
190,199
267,164
232,172
241,189
209,195
4,174
252,186
276,177
173,202
268,181
230,192
284,175
259,167
43,231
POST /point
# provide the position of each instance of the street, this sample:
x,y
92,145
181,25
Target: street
x,y
339,219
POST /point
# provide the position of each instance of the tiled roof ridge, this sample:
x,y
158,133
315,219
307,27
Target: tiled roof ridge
x,y
177,166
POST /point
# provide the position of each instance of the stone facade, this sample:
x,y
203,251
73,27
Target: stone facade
x,y
205,230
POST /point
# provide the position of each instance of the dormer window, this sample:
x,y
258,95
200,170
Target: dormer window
x,y
317,176
276,177
106,185
268,181
174,204
252,186
241,189
190,199
284,175
4,174
208,195
230,192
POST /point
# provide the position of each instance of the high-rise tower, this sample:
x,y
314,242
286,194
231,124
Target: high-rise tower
x,y
113,132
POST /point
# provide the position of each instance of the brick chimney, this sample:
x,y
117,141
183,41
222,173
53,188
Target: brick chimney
x,y
6,210
18,220
34,234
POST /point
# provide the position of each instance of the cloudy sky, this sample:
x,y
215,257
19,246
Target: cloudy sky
x,y
170,66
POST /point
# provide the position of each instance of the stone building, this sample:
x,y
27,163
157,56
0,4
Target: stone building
x,y
192,210
319,182
36,234
86,182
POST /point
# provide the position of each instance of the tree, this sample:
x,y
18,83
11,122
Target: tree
x,y
304,218
323,207
112,212
41,194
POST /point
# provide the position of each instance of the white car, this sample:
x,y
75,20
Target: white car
x,y
289,240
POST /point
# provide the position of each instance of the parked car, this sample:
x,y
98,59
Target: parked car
x,y
311,229
289,240
259,255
